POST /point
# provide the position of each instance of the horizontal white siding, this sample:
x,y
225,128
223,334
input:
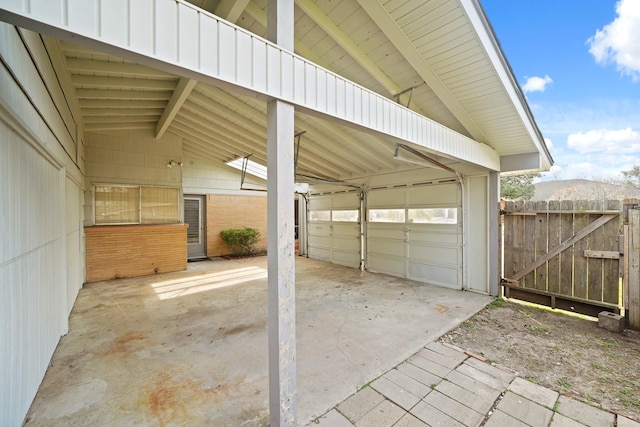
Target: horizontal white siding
x,y
202,176
182,39
130,157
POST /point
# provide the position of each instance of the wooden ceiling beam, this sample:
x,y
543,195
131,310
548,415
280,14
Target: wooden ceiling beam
x,y
180,95
231,9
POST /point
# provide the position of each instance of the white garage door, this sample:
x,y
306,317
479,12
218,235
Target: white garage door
x,y
334,228
416,232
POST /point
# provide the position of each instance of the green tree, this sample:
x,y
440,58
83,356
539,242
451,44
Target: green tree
x,y
632,177
518,187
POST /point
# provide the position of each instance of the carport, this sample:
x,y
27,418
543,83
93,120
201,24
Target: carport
x,y
399,118
189,348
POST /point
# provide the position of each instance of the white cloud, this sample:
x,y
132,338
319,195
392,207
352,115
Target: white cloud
x,y
548,142
536,84
622,141
619,41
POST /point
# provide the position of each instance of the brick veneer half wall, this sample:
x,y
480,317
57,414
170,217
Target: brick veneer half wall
x,y
119,251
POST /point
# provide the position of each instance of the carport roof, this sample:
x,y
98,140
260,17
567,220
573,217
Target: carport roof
x,y
440,58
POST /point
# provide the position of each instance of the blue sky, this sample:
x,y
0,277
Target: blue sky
x,y
578,62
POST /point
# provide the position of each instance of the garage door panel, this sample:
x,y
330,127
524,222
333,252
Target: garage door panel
x,y
427,252
319,229
436,274
376,232
346,229
336,237
434,254
436,195
437,235
387,247
385,198
320,254
346,244
394,267
319,203
348,259
346,201
320,241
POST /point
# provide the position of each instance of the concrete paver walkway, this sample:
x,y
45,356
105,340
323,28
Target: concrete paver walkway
x,y
443,386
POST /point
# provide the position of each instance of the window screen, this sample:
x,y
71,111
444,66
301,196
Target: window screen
x,y
117,205
136,205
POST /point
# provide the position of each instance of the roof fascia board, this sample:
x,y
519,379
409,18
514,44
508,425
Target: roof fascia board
x,y
190,43
521,162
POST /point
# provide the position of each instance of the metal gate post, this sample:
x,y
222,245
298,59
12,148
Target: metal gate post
x,y
281,228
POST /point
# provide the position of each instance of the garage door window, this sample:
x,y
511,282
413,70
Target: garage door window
x,y
433,216
386,215
320,216
345,215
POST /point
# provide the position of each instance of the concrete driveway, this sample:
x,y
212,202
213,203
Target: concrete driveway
x,y
190,348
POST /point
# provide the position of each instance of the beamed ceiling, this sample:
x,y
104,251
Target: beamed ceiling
x,y
425,54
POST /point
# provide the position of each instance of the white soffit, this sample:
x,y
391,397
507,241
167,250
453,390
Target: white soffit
x,y
184,40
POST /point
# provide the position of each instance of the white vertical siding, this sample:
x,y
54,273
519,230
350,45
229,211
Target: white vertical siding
x,y
477,226
41,265
179,40
74,237
33,295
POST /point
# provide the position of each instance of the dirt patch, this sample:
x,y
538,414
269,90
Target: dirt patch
x,y
568,354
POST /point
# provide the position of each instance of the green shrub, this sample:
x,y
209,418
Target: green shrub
x,y
241,241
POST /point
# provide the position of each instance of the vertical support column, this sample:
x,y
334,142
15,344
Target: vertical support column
x,y
494,229
281,224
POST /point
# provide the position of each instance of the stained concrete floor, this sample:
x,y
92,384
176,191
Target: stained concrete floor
x,y
190,348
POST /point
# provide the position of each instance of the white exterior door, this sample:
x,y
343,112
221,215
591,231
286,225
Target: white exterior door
x,y
416,232
196,236
334,228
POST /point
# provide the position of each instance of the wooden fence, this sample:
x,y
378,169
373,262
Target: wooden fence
x,y
570,255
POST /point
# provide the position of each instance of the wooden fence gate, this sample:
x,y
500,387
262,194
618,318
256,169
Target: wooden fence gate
x,y
571,255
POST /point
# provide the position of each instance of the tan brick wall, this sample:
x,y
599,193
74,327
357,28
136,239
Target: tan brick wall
x,y
134,250
232,211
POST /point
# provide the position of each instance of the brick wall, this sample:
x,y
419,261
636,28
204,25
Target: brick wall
x,y
121,251
232,211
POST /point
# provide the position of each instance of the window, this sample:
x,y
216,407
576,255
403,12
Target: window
x,y
386,215
433,216
159,205
136,205
320,216
345,215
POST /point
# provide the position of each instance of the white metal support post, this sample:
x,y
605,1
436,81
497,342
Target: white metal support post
x,y
281,228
